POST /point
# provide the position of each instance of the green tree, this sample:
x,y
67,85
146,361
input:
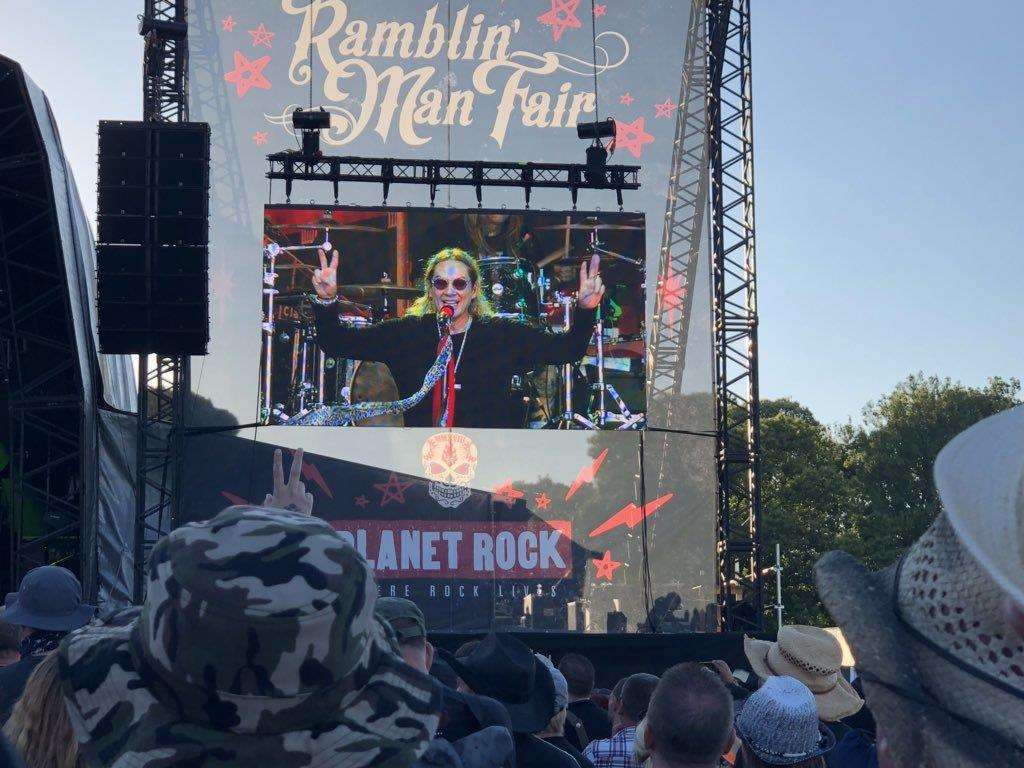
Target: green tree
x,y
894,452
806,498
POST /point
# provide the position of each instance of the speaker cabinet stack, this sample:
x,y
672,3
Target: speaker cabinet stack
x,y
152,252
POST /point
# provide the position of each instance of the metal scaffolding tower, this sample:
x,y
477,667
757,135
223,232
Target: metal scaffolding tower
x,y
163,380
734,282
711,184
43,491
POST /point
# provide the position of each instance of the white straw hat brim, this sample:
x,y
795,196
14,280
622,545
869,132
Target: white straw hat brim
x,y
979,477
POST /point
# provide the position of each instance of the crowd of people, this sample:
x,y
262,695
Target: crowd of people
x,y
262,641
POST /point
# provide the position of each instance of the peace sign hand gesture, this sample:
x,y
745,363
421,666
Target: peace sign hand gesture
x,y
325,279
591,288
291,496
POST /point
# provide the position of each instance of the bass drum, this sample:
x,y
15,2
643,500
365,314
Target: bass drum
x,y
511,286
372,383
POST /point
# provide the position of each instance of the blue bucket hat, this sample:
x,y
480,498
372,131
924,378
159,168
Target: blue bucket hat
x,y
49,598
779,723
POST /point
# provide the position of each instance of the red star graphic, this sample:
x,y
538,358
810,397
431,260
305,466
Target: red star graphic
x,y
672,292
606,566
259,138
260,36
665,109
599,10
228,24
392,490
360,501
561,17
542,500
506,494
248,74
632,136
626,98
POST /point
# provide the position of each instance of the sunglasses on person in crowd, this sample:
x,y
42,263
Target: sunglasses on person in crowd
x,y
459,284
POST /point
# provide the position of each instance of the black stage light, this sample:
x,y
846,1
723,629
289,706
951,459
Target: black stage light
x,y
603,129
311,119
309,122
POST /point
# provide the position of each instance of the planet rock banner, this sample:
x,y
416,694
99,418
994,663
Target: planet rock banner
x,y
496,80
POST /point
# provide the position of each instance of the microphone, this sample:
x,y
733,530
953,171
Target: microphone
x,y
444,317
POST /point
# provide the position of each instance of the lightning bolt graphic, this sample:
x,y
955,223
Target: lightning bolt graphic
x,y
587,474
631,515
310,472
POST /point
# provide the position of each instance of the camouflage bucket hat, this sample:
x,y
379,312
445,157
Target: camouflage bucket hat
x,y
257,644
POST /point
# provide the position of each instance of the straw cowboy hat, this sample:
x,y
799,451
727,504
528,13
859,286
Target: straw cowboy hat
x,y
812,656
942,666
257,645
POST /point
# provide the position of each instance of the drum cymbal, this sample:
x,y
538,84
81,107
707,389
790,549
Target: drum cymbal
x,y
379,290
333,224
590,226
301,297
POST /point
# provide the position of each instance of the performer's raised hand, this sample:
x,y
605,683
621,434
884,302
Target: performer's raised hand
x,y
325,279
591,288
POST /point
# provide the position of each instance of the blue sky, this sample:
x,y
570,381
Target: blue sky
x,y
887,153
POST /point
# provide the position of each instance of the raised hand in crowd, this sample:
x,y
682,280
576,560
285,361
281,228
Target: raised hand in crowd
x,y
325,279
291,495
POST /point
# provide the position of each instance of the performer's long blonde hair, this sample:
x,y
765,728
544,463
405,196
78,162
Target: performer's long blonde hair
x,y
424,305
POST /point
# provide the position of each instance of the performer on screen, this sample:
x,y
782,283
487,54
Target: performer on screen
x,y
487,351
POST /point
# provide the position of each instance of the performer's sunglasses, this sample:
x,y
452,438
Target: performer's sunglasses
x,y
459,284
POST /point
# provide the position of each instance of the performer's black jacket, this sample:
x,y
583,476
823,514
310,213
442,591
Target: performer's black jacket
x,y
496,350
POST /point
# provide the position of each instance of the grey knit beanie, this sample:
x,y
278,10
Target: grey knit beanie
x,y
561,684
779,723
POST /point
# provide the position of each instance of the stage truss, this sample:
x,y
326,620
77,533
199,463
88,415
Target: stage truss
x,y
163,381
734,297
44,490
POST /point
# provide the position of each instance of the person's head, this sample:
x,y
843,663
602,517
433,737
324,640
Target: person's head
x,y
258,630
504,668
560,683
689,719
937,641
39,727
636,696
49,599
556,727
812,656
451,277
409,626
10,638
779,725
614,702
579,674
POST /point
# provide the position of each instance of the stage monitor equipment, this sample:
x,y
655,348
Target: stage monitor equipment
x,y
422,317
153,234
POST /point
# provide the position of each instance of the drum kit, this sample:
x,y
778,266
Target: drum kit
x,y
298,376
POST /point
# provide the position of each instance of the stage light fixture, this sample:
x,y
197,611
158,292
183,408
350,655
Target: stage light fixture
x,y
596,172
602,129
309,123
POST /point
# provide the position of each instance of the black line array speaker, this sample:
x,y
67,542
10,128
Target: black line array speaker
x,y
153,225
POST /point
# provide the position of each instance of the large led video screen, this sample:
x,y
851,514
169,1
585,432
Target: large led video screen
x,y
582,529
424,317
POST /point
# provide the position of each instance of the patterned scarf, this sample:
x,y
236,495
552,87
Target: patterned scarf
x,y
41,642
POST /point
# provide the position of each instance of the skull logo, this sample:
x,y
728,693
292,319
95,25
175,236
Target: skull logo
x,y
450,458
